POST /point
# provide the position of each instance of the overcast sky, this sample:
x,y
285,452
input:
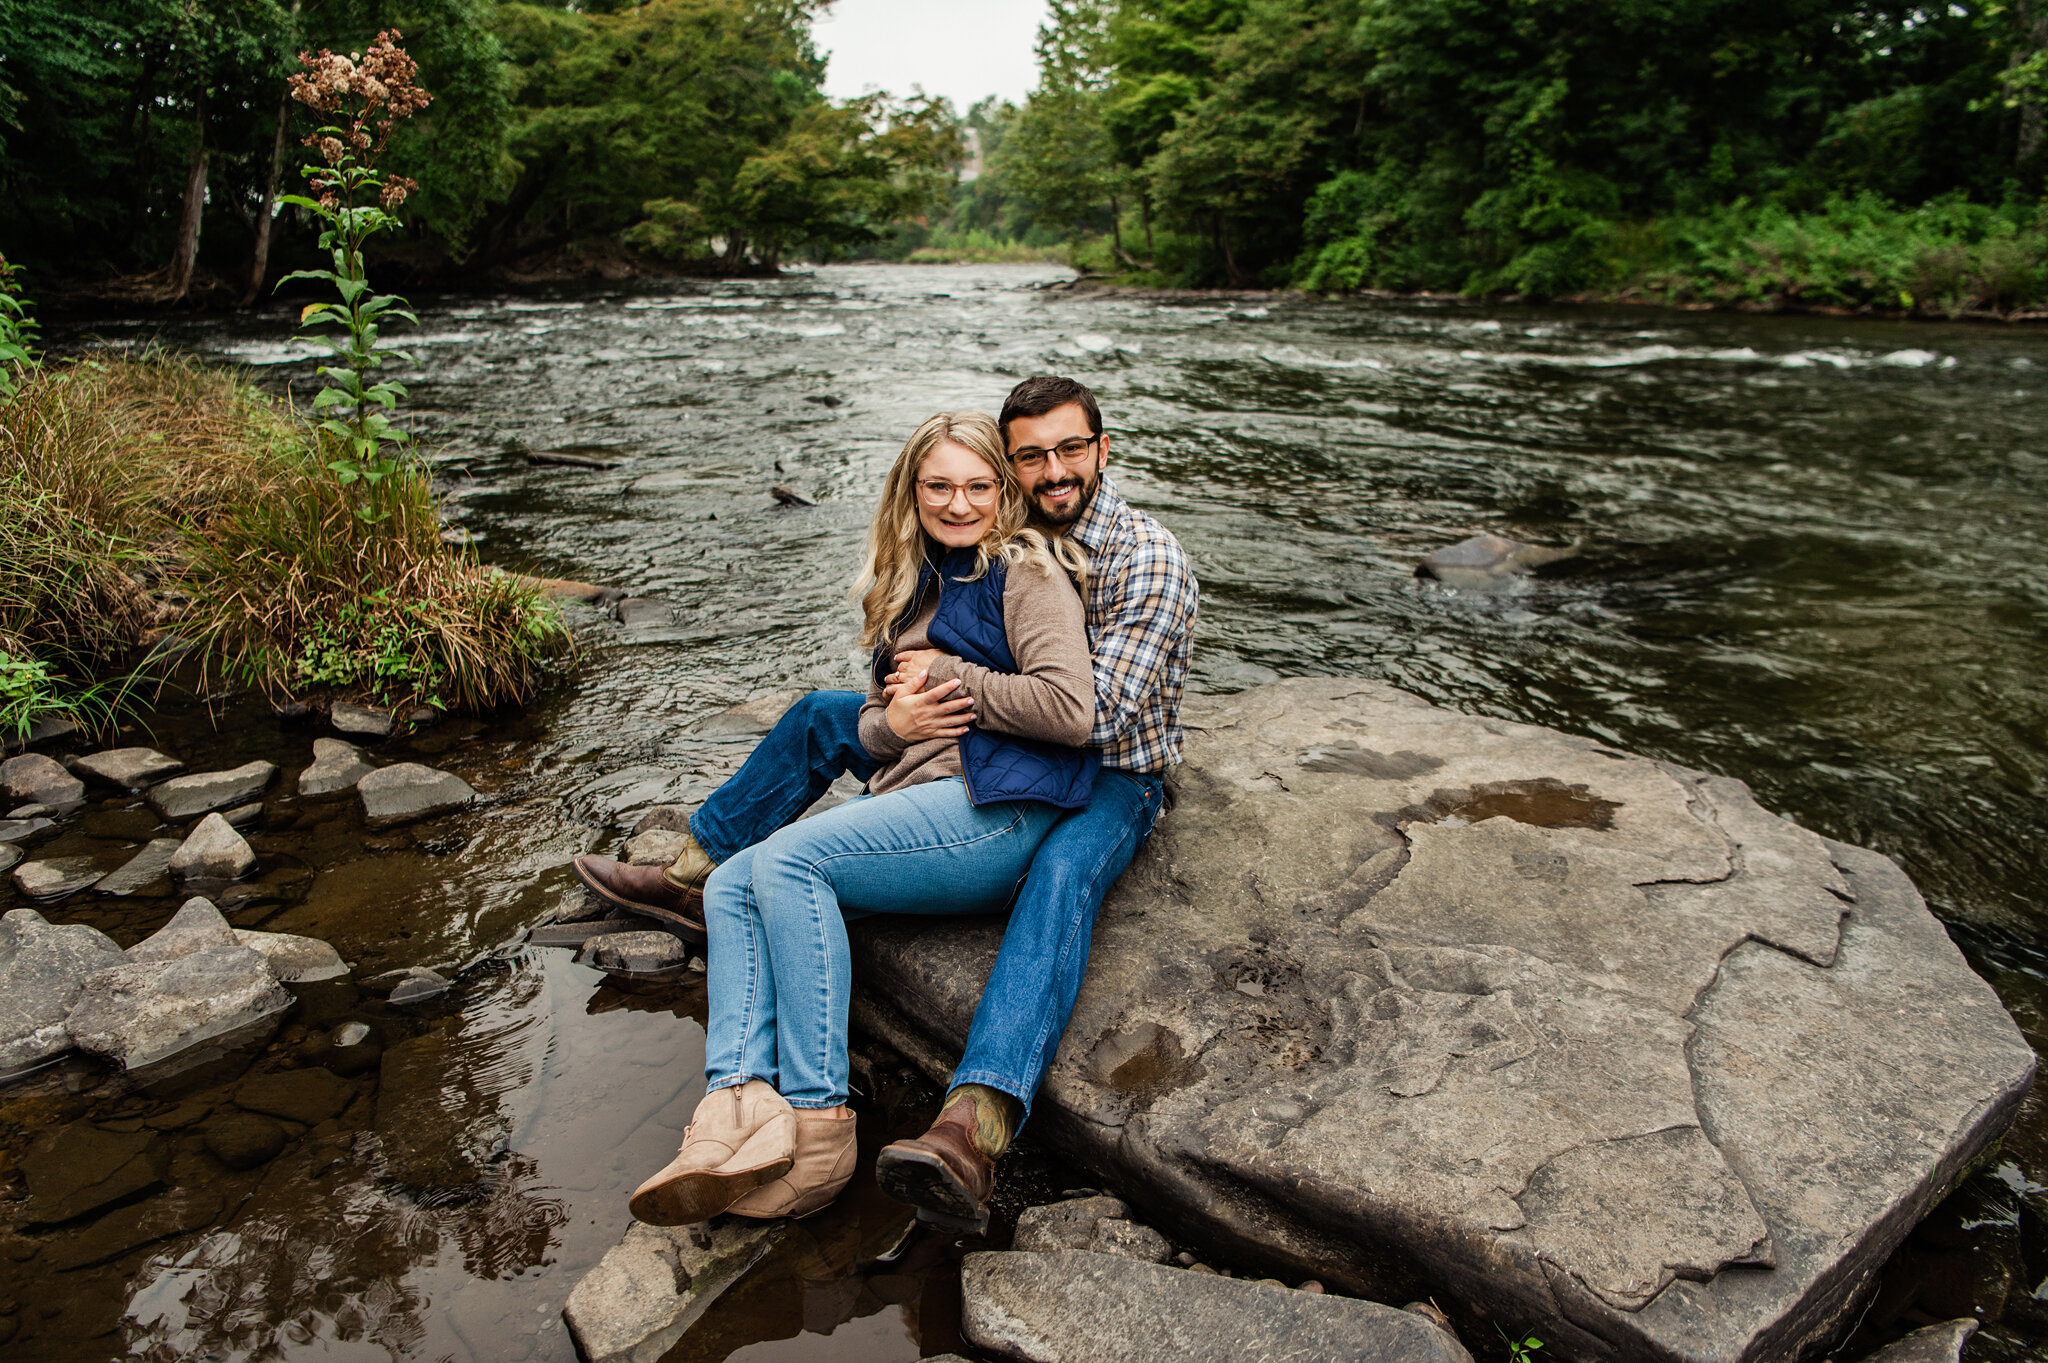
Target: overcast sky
x,y
962,49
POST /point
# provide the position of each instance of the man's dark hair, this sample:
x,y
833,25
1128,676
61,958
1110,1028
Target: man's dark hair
x,y
1041,393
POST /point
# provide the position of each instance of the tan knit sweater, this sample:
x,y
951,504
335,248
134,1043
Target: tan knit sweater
x,y
1051,697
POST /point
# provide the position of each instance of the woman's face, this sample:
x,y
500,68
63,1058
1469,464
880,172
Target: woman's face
x,y
958,495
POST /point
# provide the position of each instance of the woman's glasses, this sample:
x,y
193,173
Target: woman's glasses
x,y
937,492
1067,452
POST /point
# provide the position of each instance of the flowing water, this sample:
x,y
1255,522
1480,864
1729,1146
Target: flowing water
x,y
1815,557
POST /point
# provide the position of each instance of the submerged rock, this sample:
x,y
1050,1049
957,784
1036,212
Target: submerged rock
x,y
128,768
308,1097
21,830
407,791
9,854
243,1140
1073,1307
186,797
190,981
1409,1001
55,878
437,1132
143,870
40,780
654,1284
410,985
42,968
645,612
212,851
337,766
1489,561
83,1168
350,718
178,1212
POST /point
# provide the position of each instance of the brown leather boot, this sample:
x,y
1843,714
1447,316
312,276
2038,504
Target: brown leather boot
x,y
650,891
942,1173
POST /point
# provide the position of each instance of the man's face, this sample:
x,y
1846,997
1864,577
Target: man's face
x,y
1060,463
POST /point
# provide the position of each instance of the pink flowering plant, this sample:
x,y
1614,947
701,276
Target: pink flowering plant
x,y
362,96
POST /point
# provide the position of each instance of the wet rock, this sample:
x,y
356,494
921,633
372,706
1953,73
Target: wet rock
x,y
186,797
9,854
243,816
190,981
789,496
645,612
579,932
1072,1307
81,1169
349,718
294,959
144,871
670,818
409,985
242,1140
55,878
656,847
1584,1040
1095,1224
1941,1343
21,830
34,811
639,953
653,1285
407,791
436,1131
212,851
751,719
337,766
41,780
1488,561
128,768
563,589
42,968
42,731
308,1097
178,1212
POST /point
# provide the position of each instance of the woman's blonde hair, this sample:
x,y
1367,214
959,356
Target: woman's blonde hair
x,y
896,541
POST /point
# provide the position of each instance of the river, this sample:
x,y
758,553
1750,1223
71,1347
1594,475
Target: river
x,y
1815,557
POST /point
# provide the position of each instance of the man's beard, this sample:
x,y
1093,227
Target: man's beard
x,y
1073,511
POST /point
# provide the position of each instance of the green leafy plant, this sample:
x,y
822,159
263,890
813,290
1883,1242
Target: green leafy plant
x,y
30,690
17,331
365,95
1522,1349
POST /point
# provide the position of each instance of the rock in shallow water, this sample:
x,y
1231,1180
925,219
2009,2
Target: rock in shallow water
x,y
638,953
1073,1307
38,779
143,870
185,797
81,1169
42,969
1486,561
337,766
1398,998
654,1284
212,851
294,959
1941,1343
361,720
129,768
55,878
409,985
407,791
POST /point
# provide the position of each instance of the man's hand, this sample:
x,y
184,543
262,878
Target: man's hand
x,y
915,714
917,660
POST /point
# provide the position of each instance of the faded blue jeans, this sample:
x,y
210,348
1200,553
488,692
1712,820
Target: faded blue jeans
x,y
1030,993
780,972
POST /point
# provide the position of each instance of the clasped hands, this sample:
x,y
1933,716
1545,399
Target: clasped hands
x,y
915,714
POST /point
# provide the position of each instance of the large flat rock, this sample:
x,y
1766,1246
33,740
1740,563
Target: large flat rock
x,y
654,1284
1407,1000
42,968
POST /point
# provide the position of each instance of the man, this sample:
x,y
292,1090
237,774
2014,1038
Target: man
x,y
1141,599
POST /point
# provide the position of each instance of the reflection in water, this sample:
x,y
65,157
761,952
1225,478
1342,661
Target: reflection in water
x,y
1814,559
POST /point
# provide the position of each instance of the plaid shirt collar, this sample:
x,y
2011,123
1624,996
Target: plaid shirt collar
x,y
1100,520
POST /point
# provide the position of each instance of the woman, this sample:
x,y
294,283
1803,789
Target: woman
x,y
967,788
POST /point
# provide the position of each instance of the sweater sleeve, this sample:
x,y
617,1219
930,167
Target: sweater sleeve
x,y
1051,696
876,736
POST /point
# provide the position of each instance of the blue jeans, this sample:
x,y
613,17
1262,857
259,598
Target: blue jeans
x,y
1030,993
780,971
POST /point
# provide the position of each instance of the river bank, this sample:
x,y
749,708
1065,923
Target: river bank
x,y
1811,563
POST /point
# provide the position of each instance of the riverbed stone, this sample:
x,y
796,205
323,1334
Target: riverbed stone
x,y
753,718
1099,1225
407,790
37,779
294,959
1941,1343
1414,1003
212,851
187,797
308,1096
337,766
655,847
128,768
9,854
189,981
196,926
349,718
1488,561
645,612
638,953
408,985
55,878
145,870
43,966
1075,1307
178,1212
436,1131
21,830
654,1284
669,818
82,1168
243,1140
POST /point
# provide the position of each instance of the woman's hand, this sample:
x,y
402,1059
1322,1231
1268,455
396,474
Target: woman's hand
x,y
916,660
915,714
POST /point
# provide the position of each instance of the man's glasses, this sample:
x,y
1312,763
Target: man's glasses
x,y
1031,460
937,492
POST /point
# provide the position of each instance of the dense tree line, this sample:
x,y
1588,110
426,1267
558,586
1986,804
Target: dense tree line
x,y
151,139
1536,146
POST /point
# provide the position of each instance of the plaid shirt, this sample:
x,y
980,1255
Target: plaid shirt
x,y
1141,608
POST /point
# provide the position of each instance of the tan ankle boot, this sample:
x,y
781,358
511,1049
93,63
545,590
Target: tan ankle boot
x,y
824,1162
740,1138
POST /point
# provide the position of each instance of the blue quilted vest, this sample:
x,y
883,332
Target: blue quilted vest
x,y
969,625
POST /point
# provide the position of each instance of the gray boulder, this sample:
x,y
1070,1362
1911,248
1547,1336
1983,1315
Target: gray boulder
x,y
212,851
143,870
55,878
350,718
407,791
1096,1224
1941,1343
1414,1002
294,959
39,780
638,953
1073,1307
654,1284
189,981
1489,561
42,968
128,768
337,766
186,797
